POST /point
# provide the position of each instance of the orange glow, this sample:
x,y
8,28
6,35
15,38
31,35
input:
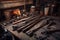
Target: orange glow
x,y
16,12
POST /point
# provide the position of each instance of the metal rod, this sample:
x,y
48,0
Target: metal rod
x,y
29,27
25,22
26,25
42,25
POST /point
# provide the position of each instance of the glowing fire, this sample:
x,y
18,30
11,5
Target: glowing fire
x,y
17,12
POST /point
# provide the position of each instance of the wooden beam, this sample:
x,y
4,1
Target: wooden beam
x,y
9,4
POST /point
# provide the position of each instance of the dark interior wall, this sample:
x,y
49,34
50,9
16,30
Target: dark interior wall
x,y
2,17
34,2
57,8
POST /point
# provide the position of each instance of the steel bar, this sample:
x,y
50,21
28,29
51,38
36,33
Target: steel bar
x,y
42,25
30,26
20,29
25,22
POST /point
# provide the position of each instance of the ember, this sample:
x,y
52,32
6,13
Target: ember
x,y
17,12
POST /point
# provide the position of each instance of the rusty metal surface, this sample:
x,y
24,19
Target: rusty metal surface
x,y
38,30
